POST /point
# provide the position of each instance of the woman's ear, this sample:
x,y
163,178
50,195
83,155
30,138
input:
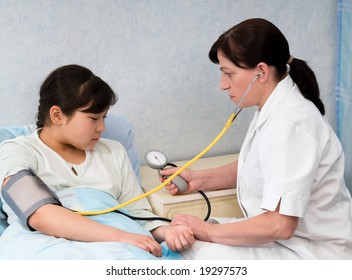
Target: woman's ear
x,y
56,115
264,70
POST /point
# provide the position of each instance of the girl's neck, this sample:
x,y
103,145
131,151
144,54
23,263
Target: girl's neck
x,y
68,152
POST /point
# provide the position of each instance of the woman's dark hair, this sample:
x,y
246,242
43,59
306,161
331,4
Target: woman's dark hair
x,y
71,87
258,40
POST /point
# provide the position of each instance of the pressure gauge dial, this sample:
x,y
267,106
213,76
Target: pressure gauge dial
x,y
155,159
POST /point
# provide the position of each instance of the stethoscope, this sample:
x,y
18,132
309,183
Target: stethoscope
x,y
156,159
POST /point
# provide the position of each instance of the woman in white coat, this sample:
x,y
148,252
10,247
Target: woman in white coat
x,y
289,175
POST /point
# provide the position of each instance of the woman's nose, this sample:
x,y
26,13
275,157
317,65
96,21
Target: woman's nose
x,y
224,85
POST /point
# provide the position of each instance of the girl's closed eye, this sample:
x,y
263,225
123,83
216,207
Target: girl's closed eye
x,y
94,117
97,117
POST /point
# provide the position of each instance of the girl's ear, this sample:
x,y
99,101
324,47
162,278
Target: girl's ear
x,y
56,115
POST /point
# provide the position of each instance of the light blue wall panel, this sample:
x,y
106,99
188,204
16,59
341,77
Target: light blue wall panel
x,y
154,53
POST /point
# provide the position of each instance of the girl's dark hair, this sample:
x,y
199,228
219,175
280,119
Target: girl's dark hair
x,y
71,87
258,40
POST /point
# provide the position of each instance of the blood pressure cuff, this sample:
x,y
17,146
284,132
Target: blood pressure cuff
x,y
25,193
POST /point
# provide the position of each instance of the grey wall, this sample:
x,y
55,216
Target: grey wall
x,y
154,55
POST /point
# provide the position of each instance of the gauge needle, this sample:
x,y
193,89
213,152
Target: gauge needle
x,y
157,158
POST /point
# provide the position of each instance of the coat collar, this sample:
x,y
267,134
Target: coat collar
x,y
282,89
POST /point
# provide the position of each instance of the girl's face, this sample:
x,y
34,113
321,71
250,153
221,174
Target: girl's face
x,y
83,130
236,81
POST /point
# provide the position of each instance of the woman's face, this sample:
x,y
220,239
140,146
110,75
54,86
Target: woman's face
x,y
236,81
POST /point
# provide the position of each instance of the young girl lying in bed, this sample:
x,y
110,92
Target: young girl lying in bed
x,y
82,171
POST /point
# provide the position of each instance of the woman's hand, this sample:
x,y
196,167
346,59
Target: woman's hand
x,y
200,228
223,177
178,237
186,174
261,229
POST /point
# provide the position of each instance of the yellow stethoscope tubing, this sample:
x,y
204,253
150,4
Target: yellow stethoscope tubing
x,y
168,180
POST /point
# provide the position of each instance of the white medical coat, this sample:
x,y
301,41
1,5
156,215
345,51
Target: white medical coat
x,y
291,155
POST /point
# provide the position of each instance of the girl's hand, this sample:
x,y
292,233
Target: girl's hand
x,y
144,242
177,237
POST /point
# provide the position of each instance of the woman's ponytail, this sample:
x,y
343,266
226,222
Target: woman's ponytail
x,y
306,81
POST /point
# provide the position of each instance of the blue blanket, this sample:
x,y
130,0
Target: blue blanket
x,y
18,242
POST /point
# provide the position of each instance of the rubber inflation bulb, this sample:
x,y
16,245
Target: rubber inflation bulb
x,y
180,183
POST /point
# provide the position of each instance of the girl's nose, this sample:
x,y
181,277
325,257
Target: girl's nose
x,y
101,126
